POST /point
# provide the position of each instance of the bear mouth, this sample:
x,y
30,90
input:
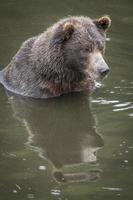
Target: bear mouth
x,y
95,79
98,84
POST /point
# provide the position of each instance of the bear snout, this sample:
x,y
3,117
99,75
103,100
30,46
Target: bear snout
x,y
99,65
104,70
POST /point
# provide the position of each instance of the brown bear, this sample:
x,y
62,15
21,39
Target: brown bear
x,y
67,57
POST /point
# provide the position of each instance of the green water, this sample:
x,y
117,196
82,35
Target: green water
x,y
75,147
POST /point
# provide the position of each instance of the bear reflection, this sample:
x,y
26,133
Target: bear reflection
x,y
63,131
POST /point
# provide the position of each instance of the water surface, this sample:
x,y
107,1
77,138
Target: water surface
x,y
74,147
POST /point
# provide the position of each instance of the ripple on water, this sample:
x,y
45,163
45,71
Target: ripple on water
x,y
42,167
104,101
122,104
112,188
123,108
117,105
55,192
30,196
130,115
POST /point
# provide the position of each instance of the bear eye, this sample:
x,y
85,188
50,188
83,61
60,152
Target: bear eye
x,y
88,49
102,49
100,46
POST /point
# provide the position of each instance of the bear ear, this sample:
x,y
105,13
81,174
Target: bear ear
x,y
103,22
68,29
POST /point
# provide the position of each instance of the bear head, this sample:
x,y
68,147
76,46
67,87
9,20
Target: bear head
x,y
76,47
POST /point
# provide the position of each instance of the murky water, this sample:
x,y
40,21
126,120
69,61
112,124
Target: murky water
x,y
74,147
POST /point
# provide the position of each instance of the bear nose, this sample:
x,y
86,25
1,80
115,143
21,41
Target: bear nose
x,y
103,69
104,72
100,63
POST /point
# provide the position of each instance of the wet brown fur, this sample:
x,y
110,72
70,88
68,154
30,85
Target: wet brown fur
x,y
58,60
